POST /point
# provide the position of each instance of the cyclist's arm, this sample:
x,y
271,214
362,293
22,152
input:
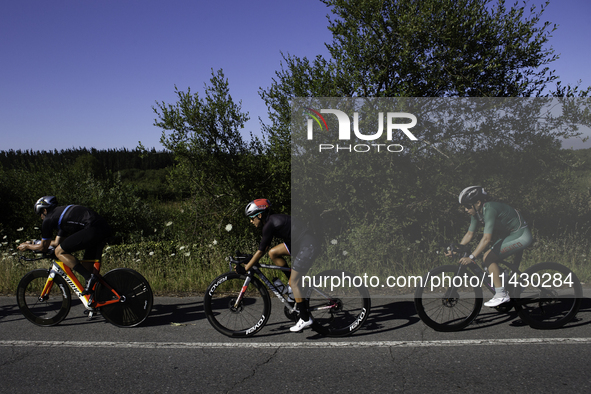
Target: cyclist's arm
x,y
482,245
484,242
40,247
56,242
467,238
255,258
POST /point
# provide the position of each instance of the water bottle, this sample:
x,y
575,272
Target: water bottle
x,y
279,285
290,297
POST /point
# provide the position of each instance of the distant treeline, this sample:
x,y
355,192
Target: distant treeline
x,y
111,159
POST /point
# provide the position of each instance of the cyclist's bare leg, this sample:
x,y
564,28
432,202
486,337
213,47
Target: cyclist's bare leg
x,y
490,259
295,283
301,302
276,254
72,262
65,258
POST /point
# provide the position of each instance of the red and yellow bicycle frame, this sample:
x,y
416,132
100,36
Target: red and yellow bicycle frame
x,y
66,272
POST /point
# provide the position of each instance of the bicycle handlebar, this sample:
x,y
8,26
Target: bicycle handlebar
x,y
50,254
239,259
456,249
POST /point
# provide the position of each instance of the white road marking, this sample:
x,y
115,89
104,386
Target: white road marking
x,y
297,345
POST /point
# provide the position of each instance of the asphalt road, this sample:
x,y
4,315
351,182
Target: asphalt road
x,y
177,351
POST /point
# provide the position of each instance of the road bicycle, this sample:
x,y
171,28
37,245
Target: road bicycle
x,y
123,296
239,305
545,295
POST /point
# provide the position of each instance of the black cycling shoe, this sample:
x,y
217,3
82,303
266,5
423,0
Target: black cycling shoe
x,y
89,285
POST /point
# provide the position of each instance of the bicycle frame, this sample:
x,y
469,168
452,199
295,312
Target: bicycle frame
x,y
67,274
267,282
271,286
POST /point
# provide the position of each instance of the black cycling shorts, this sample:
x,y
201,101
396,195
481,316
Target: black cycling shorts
x,y
91,239
306,253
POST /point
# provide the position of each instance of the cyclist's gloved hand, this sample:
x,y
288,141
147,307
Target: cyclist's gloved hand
x,y
240,269
50,253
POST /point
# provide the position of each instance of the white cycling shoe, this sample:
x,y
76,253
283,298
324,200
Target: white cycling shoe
x,y
497,300
301,324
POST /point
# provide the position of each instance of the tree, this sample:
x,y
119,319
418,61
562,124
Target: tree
x,y
220,169
438,49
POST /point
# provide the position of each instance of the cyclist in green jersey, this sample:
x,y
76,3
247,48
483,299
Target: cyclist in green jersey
x,y
501,223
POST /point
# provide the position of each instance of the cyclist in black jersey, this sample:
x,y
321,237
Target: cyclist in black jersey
x,y
501,222
297,242
77,228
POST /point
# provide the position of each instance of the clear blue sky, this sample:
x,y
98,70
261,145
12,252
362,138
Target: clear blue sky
x,y
87,73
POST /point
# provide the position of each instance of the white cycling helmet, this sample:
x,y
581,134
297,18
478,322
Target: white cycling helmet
x,y
471,194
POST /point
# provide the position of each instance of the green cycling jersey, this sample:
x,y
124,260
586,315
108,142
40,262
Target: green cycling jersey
x,y
499,219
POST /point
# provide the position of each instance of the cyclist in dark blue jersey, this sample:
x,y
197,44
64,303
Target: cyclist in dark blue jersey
x,y
78,228
297,243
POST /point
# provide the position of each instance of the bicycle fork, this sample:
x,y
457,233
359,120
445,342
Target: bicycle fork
x,y
242,292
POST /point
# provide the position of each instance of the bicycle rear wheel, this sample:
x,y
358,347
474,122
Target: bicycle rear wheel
x,y
46,311
136,297
341,311
242,320
549,295
448,306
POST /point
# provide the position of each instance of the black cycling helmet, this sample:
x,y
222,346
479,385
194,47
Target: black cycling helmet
x,y
257,206
45,202
471,194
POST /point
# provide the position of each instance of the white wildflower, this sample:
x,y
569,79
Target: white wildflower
x,y
187,254
334,242
228,227
151,253
345,253
215,242
168,224
20,229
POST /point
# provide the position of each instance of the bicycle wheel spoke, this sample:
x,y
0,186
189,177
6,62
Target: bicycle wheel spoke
x,y
341,312
46,311
550,297
444,308
244,319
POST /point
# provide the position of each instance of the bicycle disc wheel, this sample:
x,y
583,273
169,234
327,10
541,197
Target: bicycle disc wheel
x,y
242,320
340,311
550,297
136,297
51,309
447,306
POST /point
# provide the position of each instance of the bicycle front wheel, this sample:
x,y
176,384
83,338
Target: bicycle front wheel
x,y
337,312
43,311
242,319
549,295
447,305
136,297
